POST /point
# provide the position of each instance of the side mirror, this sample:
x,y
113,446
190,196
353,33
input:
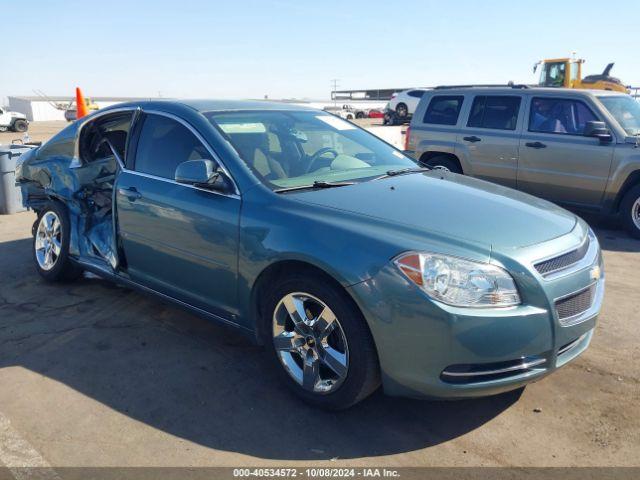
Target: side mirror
x,y
202,173
598,130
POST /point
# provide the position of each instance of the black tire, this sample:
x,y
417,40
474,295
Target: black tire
x,y
20,126
402,110
444,162
63,268
630,209
360,115
349,117
363,373
391,118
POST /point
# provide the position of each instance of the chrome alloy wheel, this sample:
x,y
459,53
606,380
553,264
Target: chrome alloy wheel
x,y
441,167
48,242
635,213
310,342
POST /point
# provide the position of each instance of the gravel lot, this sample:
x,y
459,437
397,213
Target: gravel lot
x,y
92,374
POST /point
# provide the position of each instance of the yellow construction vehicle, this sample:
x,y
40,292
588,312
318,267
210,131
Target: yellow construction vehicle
x,y
567,72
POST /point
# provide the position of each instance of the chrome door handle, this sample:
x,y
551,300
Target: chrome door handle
x,y
472,139
535,145
130,192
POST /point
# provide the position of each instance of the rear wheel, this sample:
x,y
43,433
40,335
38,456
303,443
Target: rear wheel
x,y
20,126
443,162
630,211
3,128
51,245
402,110
320,343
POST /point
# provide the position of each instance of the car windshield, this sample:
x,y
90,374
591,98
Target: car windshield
x,y
288,149
625,110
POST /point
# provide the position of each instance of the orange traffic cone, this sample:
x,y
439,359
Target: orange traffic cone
x,y
81,107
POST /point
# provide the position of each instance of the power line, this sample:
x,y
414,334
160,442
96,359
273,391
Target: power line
x,y
334,85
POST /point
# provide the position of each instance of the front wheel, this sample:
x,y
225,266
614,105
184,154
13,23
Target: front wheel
x,y
20,126
320,343
630,211
51,245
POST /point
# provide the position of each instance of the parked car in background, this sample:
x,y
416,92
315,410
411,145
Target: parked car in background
x,y
579,148
301,230
347,112
375,113
404,103
14,121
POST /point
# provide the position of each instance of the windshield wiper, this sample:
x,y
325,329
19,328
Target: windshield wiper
x,y
404,171
316,184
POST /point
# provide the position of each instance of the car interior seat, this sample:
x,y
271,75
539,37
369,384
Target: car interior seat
x,y
253,148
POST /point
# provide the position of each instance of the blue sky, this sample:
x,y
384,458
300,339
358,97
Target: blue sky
x,y
288,48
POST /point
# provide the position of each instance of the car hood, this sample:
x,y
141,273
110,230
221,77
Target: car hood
x,y
453,205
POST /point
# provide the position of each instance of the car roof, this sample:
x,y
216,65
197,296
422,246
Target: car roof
x,y
208,105
518,89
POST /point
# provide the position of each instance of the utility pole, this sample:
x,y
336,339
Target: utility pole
x,y
334,86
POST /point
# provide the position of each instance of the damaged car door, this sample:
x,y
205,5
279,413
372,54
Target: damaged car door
x,y
178,239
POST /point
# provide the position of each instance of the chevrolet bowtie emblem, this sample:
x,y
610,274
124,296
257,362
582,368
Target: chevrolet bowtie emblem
x,y
595,273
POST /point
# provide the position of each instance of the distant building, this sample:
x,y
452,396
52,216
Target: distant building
x,y
375,94
38,109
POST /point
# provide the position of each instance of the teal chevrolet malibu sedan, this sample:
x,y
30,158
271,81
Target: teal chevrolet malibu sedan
x,y
352,264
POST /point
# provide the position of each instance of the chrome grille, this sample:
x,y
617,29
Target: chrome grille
x,y
576,303
563,261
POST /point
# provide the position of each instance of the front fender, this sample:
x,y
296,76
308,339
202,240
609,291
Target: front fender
x,y
625,172
348,247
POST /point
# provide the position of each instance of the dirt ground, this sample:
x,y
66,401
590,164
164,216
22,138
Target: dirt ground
x,y
38,131
92,374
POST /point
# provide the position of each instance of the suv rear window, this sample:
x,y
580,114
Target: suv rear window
x,y
444,110
498,112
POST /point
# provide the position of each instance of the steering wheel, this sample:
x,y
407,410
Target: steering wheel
x,y
318,154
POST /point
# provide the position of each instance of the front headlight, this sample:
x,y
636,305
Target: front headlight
x,y
459,282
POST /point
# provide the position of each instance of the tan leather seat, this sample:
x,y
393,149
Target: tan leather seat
x,y
266,166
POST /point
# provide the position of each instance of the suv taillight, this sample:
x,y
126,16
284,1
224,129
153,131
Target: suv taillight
x,y
406,138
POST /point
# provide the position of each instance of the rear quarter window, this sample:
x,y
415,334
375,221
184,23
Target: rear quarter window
x,y
443,110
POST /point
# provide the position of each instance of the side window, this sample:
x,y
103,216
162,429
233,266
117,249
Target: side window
x,y
164,144
443,110
105,138
559,115
497,112
416,93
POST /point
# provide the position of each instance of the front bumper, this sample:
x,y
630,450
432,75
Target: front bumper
x,y
428,349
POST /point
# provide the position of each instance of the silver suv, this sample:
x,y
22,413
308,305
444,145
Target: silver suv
x,y
580,148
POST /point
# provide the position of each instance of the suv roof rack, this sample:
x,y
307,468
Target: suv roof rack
x,y
509,85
